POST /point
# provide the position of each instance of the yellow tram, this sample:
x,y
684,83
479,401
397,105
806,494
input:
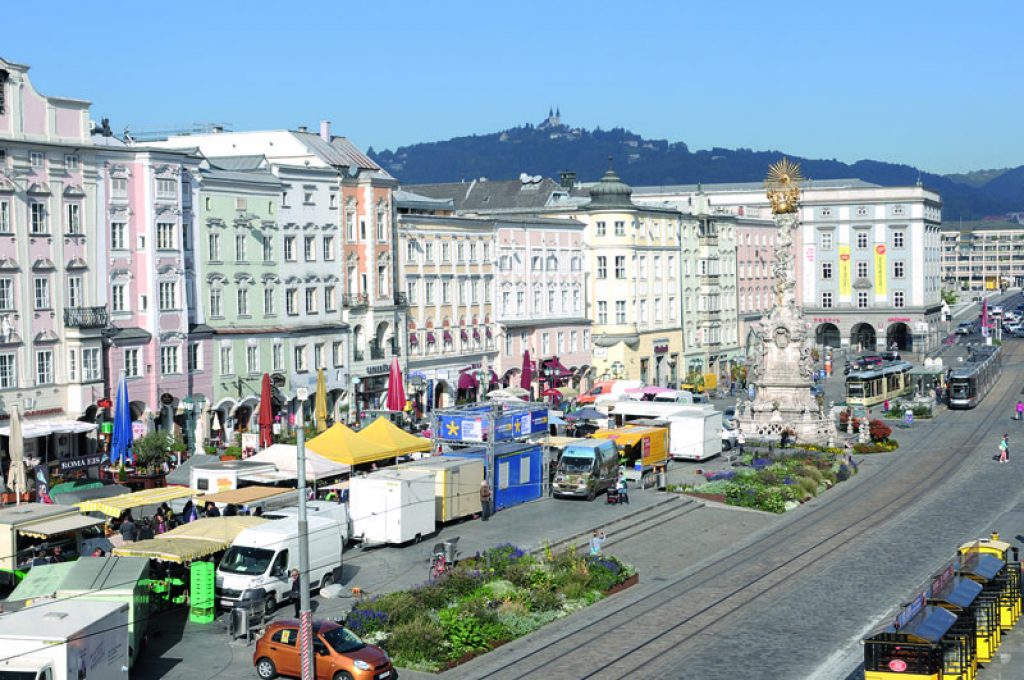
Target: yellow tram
x,y
873,386
919,644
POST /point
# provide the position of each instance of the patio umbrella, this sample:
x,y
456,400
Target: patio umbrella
x,y
121,440
266,419
16,450
320,403
587,414
526,377
396,391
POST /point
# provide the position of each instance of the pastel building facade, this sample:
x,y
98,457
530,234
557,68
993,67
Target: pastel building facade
x,y
448,274
51,314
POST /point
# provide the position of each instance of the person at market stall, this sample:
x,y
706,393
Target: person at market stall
x,y
129,530
295,591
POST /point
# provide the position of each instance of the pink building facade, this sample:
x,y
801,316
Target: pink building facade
x,y
147,198
755,253
51,317
540,302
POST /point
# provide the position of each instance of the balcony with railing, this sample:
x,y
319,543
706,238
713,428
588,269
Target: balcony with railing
x,y
353,301
86,317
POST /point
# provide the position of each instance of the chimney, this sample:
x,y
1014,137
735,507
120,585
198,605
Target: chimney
x,y
325,131
302,128
567,179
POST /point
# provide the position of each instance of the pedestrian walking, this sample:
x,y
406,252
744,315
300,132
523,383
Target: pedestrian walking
x,y
885,406
296,591
741,439
622,489
1020,409
485,499
596,541
1004,450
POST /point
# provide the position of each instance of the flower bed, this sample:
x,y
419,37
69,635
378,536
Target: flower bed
x,y
500,595
778,481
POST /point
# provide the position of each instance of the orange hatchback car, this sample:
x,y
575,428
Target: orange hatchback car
x,y
339,653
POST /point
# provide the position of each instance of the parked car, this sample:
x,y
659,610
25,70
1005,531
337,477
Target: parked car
x,y
1018,332
338,651
728,438
965,328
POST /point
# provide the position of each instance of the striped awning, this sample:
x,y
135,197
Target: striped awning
x,y
170,549
116,505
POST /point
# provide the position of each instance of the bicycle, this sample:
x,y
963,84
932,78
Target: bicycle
x,y
443,558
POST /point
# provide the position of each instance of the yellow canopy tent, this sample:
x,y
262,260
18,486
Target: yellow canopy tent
x,y
114,506
385,433
218,529
170,549
342,445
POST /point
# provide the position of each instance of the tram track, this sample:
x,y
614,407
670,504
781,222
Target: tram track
x,y
694,602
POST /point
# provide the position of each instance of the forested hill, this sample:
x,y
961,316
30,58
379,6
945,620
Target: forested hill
x,y
551,147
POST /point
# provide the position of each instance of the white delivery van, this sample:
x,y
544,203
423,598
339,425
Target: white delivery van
x,y
65,640
392,506
264,555
329,509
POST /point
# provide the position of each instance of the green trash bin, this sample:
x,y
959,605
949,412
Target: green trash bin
x,y
202,583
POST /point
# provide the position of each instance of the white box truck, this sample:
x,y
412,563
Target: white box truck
x,y
694,430
456,487
329,509
264,555
392,506
65,640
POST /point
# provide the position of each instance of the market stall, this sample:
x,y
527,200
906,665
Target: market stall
x,y
383,432
285,459
341,445
115,506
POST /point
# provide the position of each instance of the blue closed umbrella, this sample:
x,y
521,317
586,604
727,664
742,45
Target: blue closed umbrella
x,y
121,439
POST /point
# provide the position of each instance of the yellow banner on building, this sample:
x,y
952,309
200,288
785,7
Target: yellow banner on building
x,y
881,275
844,272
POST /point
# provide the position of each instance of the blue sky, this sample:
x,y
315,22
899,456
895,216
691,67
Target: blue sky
x,y
935,83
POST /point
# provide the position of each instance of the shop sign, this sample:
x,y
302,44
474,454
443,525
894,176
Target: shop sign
x,y
898,319
79,463
942,579
377,370
166,398
661,349
825,319
910,611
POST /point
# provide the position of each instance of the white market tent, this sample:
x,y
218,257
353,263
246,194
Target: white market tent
x,y
285,458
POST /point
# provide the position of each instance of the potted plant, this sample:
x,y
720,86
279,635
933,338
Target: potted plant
x,y
231,453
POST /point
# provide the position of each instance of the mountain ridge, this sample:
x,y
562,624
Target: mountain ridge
x,y
552,147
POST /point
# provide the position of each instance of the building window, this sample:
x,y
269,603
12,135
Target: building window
x,y
382,225
657,310
862,299
862,239
602,267
118,298
428,252
240,242
620,311
242,297
318,355
601,229
8,372
71,161
826,238
291,301
898,298
410,252
215,302
73,365
168,295
252,359
44,367
195,357
643,311
307,197
641,270
350,226
897,269
300,358
35,159
862,270
429,292
91,370
6,294
227,362
460,251
620,228
166,188
602,312
277,357
131,363
75,291
240,203
826,299
73,224
508,345
268,248
38,214
537,263
898,238
382,280
119,188
169,361
671,309
268,301
330,300
5,216
165,236
328,248
289,249
338,353
42,291
620,266
309,248
826,270
214,247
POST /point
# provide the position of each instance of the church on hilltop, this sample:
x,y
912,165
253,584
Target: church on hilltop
x,y
553,121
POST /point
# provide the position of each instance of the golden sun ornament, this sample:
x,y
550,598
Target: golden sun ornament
x,y
783,186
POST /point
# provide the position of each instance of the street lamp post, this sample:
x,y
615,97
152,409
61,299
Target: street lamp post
x,y
190,429
305,613
355,397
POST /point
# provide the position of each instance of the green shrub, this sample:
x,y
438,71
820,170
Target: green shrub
x,y
543,600
813,473
574,590
460,582
519,625
771,500
417,641
498,589
431,596
808,485
519,574
400,607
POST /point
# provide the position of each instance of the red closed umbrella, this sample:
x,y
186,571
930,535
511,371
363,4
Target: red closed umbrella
x,y
526,377
396,390
266,418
